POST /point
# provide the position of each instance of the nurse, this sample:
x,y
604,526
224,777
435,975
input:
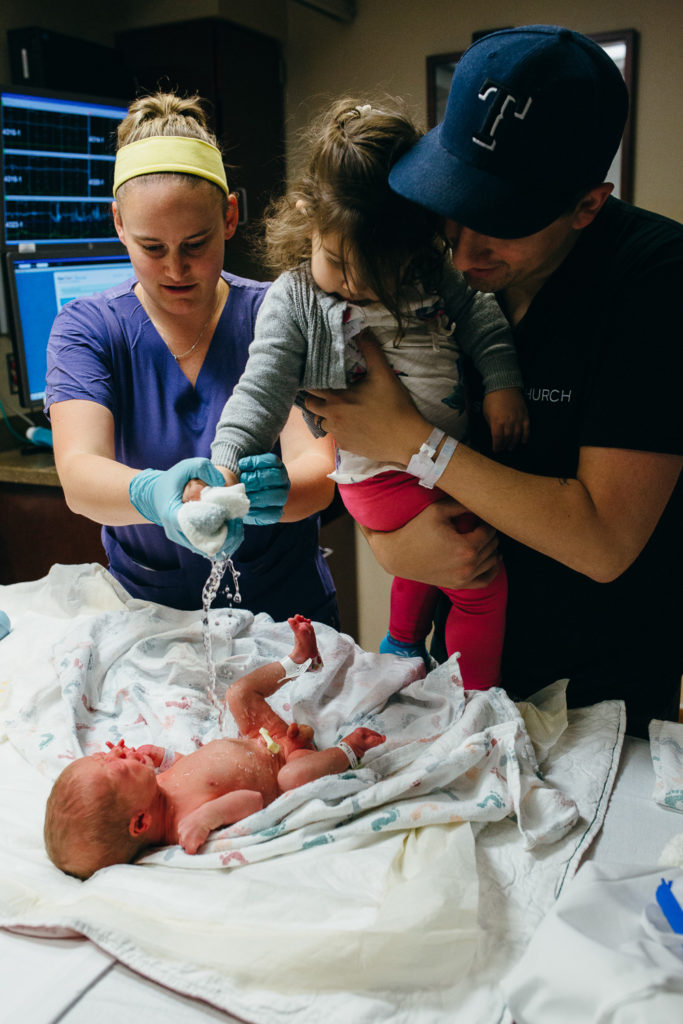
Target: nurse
x,y
138,375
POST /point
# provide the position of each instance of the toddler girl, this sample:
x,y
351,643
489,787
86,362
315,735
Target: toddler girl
x,y
354,256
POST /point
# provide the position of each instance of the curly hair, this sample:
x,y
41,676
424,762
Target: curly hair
x,y
344,190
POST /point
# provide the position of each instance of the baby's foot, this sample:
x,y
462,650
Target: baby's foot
x,y
305,645
362,740
299,737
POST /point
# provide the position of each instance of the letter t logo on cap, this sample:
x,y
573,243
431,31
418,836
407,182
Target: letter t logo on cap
x,y
497,111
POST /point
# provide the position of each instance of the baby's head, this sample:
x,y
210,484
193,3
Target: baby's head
x,y
343,194
96,814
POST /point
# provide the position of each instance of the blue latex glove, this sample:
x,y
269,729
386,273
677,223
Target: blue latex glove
x,y
158,494
5,624
267,485
234,538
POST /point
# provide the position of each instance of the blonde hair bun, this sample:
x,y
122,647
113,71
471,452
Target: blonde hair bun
x,y
165,113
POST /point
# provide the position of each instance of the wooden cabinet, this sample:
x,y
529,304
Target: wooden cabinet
x,y
241,73
37,528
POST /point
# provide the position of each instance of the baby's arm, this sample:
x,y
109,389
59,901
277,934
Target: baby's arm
x,y
194,828
305,766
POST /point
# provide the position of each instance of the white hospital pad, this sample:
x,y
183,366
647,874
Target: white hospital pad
x,y
637,828
666,748
361,896
603,955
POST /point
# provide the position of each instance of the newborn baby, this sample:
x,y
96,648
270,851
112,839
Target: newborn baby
x,y
106,808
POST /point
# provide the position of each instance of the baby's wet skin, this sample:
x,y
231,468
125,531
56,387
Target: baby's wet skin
x,y
220,767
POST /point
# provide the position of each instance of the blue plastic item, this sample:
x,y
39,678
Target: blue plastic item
x,y
670,906
40,436
5,625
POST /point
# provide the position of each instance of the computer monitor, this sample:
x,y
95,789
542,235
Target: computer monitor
x,y
57,167
38,286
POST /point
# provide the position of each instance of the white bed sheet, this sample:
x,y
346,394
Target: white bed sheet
x,y
408,880
53,980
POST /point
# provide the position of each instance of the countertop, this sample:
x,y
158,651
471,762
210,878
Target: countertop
x,y
36,467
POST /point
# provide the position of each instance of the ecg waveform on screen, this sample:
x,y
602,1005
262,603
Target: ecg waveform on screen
x,y
58,170
38,176
67,220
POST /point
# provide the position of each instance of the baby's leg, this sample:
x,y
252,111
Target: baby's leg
x,y
305,643
246,698
304,766
476,627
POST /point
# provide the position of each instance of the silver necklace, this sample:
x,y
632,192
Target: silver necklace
x,y
183,355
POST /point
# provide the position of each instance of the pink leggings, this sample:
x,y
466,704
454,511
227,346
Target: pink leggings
x,y
476,622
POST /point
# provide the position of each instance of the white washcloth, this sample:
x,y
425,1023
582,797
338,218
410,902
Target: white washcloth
x,y
204,522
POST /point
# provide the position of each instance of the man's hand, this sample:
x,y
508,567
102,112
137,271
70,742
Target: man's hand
x,y
439,547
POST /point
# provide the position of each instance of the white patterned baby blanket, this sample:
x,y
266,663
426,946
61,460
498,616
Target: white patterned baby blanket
x,y
449,756
335,895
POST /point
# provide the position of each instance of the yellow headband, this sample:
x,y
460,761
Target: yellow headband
x,y
170,154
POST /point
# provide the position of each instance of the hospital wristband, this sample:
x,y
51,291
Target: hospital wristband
x,y
354,760
167,760
424,466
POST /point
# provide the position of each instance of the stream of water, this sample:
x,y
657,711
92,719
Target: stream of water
x,y
211,588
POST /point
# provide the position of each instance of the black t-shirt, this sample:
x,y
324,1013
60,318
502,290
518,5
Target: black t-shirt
x,y
601,355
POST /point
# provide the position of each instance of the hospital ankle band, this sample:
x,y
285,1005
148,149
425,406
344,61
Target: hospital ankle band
x,y
354,761
293,669
424,466
170,154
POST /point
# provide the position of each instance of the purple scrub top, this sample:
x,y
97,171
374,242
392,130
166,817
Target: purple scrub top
x,y
105,349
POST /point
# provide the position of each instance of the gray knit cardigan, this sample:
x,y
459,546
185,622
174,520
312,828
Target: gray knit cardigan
x,y
299,344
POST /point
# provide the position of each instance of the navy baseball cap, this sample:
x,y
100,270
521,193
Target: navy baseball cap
x,y
534,115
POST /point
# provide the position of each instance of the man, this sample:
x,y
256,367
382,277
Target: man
x,y
589,510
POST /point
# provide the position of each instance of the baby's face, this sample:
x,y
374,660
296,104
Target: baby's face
x,y
131,774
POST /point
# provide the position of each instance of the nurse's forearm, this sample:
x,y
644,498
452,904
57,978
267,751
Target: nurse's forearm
x,y
97,488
